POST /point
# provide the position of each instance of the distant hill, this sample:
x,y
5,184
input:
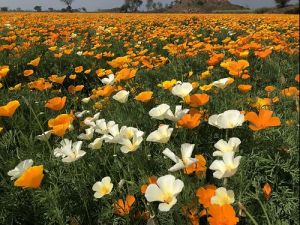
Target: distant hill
x,y
203,6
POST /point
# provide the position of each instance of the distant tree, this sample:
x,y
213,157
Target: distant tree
x,y
160,5
131,5
50,9
4,9
68,3
38,8
149,4
154,6
83,9
282,3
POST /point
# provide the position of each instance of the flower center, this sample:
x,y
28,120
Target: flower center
x,y
168,198
103,190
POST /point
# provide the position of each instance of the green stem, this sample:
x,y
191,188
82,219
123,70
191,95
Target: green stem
x,y
264,210
225,181
226,135
247,213
37,120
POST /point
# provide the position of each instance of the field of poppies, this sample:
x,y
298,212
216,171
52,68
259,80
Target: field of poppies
x,y
150,119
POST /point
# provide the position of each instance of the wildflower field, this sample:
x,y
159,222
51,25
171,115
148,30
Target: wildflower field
x,y
154,119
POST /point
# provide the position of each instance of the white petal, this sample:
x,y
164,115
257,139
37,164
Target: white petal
x,y
177,166
187,150
165,183
167,152
153,193
164,207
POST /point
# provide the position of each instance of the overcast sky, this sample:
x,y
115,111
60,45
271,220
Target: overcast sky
x,y
93,5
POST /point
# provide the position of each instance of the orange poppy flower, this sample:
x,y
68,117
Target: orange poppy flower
x,y
263,120
78,69
199,166
245,88
215,59
245,76
190,120
68,51
267,191
297,78
40,85
87,71
73,89
289,92
104,91
57,79
144,96
206,87
125,74
56,103
31,178
237,68
224,215
9,109
269,88
100,72
28,73
168,84
120,62
3,71
123,208
35,62
58,55
204,195
263,54
72,76
60,124
197,100
151,180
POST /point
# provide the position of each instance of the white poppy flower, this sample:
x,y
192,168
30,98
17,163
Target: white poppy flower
x,y
109,80
113,134
182,90
121,96
226,167
222,83
79,53
20,169
86,100
223,146
161,135
161,112
88,135
222,197
128,132
227,120
102,188
81,114
131,145
165,190
90,121
68,151
102,127
186,160
44,136
96,144
179,113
